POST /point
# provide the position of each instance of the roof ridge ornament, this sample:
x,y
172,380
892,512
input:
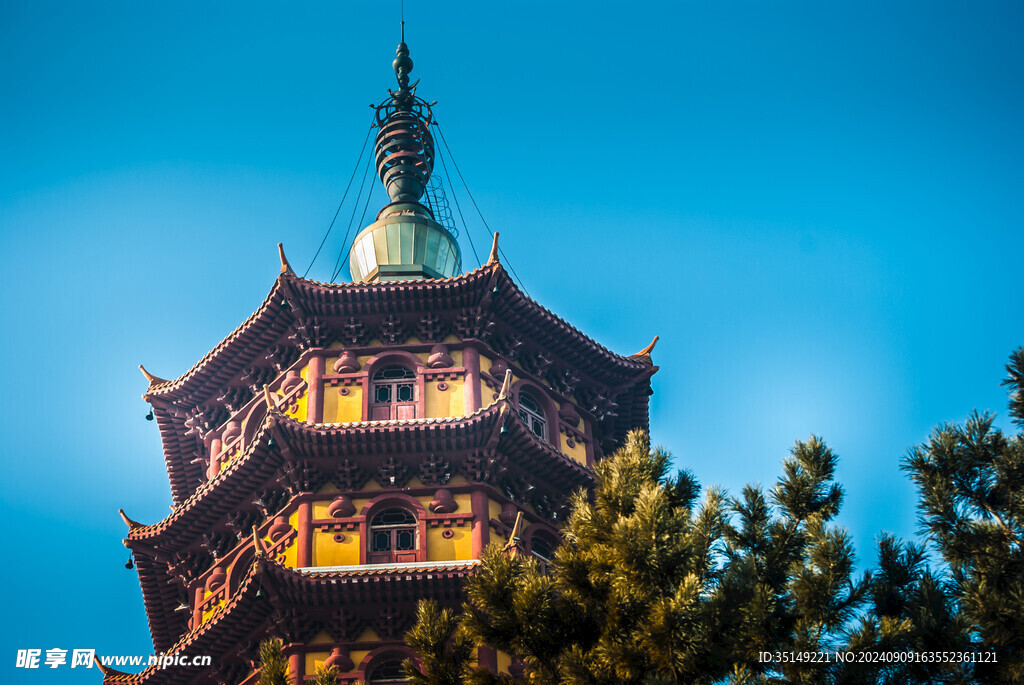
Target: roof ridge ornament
x,y
514,545
286,268
645,354
506,386
257,543
132,525
107,671
493,258
153,380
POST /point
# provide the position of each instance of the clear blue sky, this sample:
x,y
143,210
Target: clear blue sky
x,y
817,206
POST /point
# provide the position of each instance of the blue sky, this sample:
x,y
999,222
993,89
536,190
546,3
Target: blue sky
x,y
817,206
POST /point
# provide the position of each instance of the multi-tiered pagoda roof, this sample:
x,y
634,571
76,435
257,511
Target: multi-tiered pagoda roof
x,y
351,448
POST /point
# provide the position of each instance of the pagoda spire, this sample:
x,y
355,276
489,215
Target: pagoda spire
x,y
405,241
403,63
404,148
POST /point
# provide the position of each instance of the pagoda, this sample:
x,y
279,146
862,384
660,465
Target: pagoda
x,y
351,448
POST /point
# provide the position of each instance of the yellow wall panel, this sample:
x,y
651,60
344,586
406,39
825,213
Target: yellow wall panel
x,y
291,553
457,404
350,406
340,408
357,656
578,452
368,635
458,547
493,508
486,394
314,659
447,402
437,403
327,552
463,500
330,399
320,510
213,609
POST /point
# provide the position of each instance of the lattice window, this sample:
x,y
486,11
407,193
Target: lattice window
x,y
393,394
393,536
533,415
387,673
542,548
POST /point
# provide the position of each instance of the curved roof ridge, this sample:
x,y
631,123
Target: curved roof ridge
x,y
146,531
384,569
374,284
209,485
162,388
167,386
628,359
191,635
486,267
262,566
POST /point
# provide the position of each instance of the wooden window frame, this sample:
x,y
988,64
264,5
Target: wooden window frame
x,y
395,358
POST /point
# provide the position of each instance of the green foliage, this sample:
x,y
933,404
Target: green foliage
x,y
326,675
791,575
912,609
656,585
273,665
443,645
970,481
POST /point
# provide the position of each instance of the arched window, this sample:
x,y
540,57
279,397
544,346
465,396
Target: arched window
x,y
533,415
393,394
393,536
542,547
387,672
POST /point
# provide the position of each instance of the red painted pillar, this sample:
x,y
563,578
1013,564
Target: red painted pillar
x,y
304,556
315,391
471,362
197,614
215,447
480,506
296,669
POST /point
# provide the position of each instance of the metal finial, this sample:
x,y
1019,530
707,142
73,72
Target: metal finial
x,y
404,149
402,63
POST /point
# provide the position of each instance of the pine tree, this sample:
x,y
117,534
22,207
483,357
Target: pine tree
x,y
912,608
443,644
631,597
970,482
273,665
326,675
790,574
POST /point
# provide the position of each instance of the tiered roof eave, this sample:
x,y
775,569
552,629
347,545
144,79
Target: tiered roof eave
x,y
155,545
336,299
292,299
246,611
